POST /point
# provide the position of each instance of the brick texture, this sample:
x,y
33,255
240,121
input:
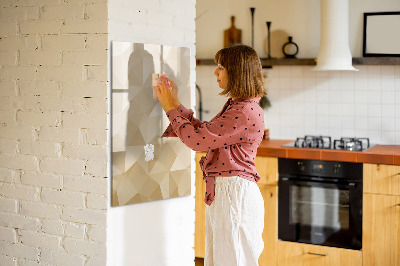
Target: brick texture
x,y
53,122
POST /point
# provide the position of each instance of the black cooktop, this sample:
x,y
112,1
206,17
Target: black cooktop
x,y
325,142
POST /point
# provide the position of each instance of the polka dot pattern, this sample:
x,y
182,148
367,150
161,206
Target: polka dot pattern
x,y
231,139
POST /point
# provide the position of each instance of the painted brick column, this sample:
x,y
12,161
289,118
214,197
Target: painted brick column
x,y
53,132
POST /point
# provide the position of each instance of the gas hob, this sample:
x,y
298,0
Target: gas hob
x,y
325,142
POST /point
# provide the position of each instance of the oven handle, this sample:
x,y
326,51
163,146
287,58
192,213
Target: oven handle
x,y
297,181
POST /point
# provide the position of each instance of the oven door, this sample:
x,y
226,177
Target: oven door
x,y
321,212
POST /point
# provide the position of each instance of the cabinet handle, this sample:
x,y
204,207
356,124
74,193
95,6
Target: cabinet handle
x,y
318,254
398,204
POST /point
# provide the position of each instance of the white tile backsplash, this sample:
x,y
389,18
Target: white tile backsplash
x,y
364,103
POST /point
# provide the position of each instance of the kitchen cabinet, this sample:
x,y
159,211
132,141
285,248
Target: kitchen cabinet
x,y
267,167
381,179
270,233
298,254
200,207
381,215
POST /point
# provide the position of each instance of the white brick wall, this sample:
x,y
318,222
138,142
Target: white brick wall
x,y
53,110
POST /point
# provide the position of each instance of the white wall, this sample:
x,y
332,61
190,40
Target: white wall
x,y
299,18
53,109
338,104
160,232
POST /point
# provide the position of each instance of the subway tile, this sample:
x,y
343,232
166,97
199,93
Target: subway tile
x,y
310,108
388,124
374,70
361,97
284,83
348,96
388,84
347,109
285,72
308,72
334,77
335,95
322,109
322,121
322,96
286,132
374,123
388,97
348,122
335,122
374,97
388,137
296,72
397,72
360,124
334,109
387,71
374,110
297,83
310,95
348,132
374,84
322,74
388,110
375,136
361,110
397,134
397,123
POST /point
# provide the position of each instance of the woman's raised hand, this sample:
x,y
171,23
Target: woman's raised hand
x,y
174,90
164,95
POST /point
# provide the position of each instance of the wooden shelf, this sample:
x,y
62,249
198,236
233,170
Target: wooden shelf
x,y
312,61
376,61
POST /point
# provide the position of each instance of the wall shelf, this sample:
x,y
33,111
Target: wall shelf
x,y
312,61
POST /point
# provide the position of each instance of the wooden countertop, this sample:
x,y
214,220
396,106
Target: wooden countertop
x,y
379,154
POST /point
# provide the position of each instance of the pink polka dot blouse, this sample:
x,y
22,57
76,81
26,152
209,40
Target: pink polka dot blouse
x,y
231,139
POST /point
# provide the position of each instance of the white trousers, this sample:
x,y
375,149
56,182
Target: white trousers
x,y
234,223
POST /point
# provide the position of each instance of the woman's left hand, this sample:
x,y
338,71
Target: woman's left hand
x,y
163,92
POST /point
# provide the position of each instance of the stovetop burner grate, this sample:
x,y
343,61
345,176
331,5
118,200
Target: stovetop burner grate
x,y
325,142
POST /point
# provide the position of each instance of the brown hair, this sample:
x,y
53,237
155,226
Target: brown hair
x,y
245,78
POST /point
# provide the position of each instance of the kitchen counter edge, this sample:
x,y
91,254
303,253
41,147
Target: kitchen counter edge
x,y
378,154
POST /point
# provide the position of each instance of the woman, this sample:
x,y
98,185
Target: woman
x,y
235,207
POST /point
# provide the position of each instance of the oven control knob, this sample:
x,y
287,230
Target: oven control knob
x,y
302,167
335,170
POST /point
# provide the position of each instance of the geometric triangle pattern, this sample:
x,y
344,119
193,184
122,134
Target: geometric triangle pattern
x,y
137,122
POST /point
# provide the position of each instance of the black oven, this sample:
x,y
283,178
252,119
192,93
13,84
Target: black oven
x,y
320,202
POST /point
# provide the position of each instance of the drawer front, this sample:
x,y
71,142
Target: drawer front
x,y
381,179
294,254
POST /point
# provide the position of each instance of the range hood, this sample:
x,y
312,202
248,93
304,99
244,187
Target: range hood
x,y
334,51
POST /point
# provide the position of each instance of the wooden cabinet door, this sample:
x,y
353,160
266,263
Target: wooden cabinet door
x,y
267,168
200,207
297,254
381,230
381,179
270,233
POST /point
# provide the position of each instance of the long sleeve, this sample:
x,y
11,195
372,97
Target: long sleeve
x,y
225,130
186,113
